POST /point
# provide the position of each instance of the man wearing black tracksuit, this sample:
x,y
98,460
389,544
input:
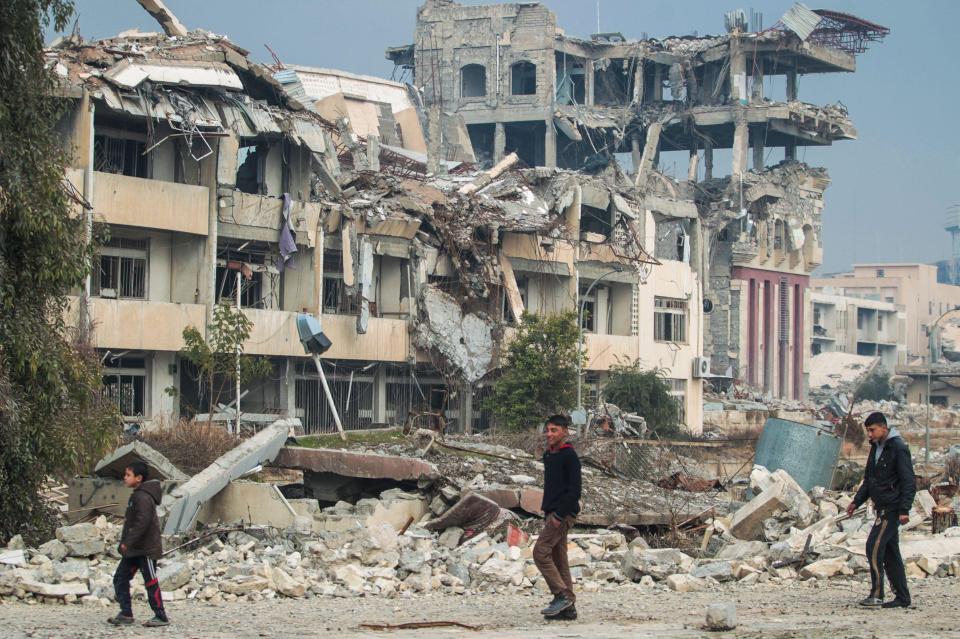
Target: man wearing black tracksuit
x,y
890,483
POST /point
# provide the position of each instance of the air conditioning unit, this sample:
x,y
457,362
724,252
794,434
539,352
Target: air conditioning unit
x,y
110,293
701,367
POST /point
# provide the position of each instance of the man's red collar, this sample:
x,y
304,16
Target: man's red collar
x,y
560,447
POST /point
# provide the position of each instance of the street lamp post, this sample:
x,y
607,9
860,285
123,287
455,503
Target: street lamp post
x,y
618,269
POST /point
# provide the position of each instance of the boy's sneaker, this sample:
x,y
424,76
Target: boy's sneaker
x,y
156,622
872,602
121,620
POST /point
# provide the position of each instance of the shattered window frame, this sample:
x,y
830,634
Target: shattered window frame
x,y
120,155
670,320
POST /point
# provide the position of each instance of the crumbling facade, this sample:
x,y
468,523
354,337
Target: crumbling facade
x,y
521,85
291,189
860,326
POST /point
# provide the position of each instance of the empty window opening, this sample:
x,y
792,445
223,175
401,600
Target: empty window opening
x,y
252,167
337,300
481,138
611,81
670,320
473,81
122,156
571,80
523,78
527,140
122,269
595,220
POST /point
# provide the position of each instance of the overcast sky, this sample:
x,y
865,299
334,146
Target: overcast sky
x,y
891,188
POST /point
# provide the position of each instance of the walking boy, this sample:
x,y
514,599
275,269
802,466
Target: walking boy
x,y
889,481
561,505
140,546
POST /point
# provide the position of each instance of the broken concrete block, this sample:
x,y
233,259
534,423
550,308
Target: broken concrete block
x,y
748,520
722,616
760,479
522,479
13,557
286,585
929,565
743,550
531,500
159,467
719,570
54,549
75,588
914,571
505,497
16,543
78,533
174,575
71,570
685,583
656,563
86,548
244,585
473,511
825,568
179,509
794,497
450,538
924,503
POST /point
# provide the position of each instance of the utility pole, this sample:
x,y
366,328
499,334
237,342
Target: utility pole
x,y
237,354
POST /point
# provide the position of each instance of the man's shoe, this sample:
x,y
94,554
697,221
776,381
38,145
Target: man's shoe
x,y
559,604
570,614
120,620
896,603
872,602
553,602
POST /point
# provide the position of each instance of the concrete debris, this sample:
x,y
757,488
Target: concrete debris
x,y
160,467
461,341
180,508
721,616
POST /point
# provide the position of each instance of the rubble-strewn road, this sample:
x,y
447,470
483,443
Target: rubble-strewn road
x,y
824,610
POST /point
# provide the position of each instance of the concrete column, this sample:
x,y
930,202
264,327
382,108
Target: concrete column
x,y
693,165
467,405
741,143
738,71
790,151
757,135
756,91
658,83
792,85
588,81
635,152
288,389
208,178
638,82
708,160
499,142
380,395
550,144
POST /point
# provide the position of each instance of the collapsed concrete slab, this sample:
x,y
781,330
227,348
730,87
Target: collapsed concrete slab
x,y
254,503
351,464
113,464
178,511
747,522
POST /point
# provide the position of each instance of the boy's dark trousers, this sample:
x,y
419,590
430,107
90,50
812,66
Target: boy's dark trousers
x,y
126,570
550,555
883,553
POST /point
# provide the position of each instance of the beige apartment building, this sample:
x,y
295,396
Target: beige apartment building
x,y
913,287
308,189
859,326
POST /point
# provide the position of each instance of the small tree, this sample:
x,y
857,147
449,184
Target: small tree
x,y
539,371
875,387
216,356
645,393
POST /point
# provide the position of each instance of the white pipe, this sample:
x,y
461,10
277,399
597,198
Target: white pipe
x,y
326,391
238,357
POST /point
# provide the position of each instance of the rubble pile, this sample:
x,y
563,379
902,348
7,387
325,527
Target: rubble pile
x,y
781,535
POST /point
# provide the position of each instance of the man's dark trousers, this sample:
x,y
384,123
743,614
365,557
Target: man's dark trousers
x,y
883,553
550,555
126,570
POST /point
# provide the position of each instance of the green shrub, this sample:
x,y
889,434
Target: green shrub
x,y
645,393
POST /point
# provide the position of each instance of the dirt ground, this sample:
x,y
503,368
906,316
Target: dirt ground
x,y
822,610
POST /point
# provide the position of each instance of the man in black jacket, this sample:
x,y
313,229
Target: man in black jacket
x,y
561,505
890,483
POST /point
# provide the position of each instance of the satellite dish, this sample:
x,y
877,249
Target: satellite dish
x,y
707,305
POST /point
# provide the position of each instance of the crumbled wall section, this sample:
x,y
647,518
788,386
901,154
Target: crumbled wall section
x,y
462,342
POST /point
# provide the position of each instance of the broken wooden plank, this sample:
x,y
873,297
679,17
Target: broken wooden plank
x,y
510,284
487,177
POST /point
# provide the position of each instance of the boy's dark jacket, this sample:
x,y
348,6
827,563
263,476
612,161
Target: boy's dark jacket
x,y
141,526
889,481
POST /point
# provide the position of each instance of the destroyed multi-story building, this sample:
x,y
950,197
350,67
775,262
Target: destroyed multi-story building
x,y
518,83
290,189
875,328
